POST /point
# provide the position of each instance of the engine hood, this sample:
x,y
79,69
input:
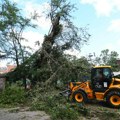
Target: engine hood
x,y
116,81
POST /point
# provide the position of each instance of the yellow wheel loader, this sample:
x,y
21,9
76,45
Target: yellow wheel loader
x,y
102,86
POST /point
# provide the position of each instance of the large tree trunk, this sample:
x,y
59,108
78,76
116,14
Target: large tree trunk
x,y
48,42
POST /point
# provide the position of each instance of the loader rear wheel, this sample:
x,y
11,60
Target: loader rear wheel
x,y
113,98
79,97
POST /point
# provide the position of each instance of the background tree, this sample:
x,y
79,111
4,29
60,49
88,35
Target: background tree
x,y
107,58
104,56
113,60
13,24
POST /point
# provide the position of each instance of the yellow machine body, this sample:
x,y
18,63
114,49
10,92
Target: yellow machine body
x,y
86,88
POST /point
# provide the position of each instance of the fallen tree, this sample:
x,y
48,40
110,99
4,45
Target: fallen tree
x,y
50,63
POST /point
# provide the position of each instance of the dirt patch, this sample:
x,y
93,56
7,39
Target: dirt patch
x,y
22,114
96,111
101,111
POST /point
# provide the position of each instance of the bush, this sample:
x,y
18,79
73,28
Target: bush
x,y
61,112
12,95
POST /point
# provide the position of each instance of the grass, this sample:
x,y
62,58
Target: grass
x,y
12,96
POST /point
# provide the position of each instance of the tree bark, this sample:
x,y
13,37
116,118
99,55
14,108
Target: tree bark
x,y
49,40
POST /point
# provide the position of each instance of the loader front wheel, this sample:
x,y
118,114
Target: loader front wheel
x,y
79,97
113,98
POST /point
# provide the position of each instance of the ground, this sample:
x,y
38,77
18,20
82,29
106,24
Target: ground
x,y
101,111
22,114
96,111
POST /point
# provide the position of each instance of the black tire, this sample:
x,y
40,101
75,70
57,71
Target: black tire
x,y
113,99
79,97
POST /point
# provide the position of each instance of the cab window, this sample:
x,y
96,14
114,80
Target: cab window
x,y
107,72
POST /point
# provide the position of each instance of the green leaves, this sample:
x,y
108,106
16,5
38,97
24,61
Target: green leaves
x,y
9,14
13,24
12,95
107,57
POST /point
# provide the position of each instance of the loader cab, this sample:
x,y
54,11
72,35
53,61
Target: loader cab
x,y
101,78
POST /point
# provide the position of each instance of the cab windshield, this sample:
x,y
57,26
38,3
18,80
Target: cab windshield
x,y
103,72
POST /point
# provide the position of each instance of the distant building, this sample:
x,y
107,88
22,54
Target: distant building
x,y
6,69
118,62
3,70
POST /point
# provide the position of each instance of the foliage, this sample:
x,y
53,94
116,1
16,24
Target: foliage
x,y
12,95
70,68
63,35
13,24
107,57
50,64
57,111
113,60
56,106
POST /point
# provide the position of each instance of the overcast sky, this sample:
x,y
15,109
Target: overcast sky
x,y
102,17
